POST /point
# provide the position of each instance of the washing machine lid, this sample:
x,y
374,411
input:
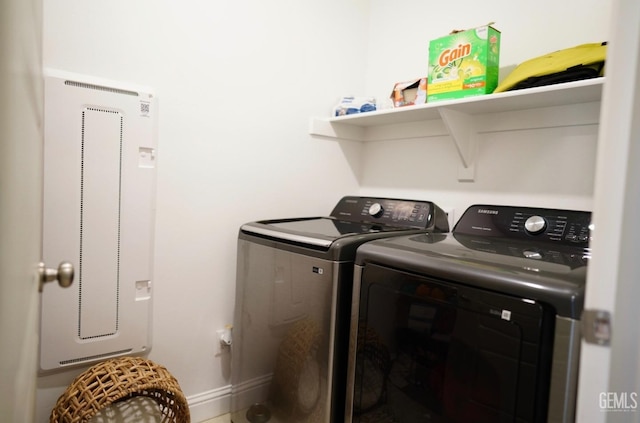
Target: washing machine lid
x,y
319,232
352,221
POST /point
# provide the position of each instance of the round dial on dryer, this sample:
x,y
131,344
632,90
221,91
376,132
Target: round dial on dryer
x,y
535,225
376,210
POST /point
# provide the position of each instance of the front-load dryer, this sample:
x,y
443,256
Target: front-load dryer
x,y
293,305
479,325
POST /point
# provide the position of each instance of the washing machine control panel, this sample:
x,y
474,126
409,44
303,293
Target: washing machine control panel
x,y
391,212
553,225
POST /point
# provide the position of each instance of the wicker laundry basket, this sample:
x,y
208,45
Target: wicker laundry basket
x,y
120,379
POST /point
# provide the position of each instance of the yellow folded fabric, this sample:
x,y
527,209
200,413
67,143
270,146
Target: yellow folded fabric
x,y
559,61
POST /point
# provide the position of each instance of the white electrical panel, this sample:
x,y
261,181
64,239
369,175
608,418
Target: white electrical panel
x,y
99,206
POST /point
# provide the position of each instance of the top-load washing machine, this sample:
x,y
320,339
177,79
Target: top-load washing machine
x,y
479,325
293,299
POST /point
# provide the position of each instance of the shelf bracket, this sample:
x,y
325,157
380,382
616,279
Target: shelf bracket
x,y
325,128
464,133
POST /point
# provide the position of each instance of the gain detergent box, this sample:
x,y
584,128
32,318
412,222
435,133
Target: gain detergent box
x,y
464,64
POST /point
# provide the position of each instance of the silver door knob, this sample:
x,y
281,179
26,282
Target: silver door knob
x,y
63,274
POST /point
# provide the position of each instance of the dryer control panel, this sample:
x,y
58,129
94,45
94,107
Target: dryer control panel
x,y
569,227
392,212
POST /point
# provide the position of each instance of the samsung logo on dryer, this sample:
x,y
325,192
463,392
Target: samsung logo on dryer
x,y
487,211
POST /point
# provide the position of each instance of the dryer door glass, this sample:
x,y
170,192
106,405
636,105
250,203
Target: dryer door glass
x,y
434,351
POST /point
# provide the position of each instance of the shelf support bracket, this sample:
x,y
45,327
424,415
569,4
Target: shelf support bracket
x,y
325,128
464,133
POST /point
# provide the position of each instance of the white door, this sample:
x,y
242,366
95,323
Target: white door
x,y
610,375
21,110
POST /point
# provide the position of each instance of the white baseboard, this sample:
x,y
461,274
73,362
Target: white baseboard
x,y
214,403
250,392
210,404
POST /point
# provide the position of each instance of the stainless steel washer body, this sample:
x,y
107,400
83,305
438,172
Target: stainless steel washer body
x,y
293,299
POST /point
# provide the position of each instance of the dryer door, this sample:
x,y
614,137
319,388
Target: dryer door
x,y
434,351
